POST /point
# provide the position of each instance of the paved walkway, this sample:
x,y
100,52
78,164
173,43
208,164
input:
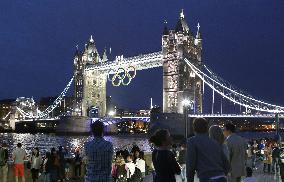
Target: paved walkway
x,y
262,177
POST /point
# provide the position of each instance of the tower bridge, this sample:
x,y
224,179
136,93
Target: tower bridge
x,y
184,77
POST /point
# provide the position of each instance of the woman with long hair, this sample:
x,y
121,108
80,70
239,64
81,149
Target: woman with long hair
x,y
46,166
35,163
165,164
216,133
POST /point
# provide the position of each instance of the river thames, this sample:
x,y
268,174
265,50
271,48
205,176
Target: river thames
x,y
46,141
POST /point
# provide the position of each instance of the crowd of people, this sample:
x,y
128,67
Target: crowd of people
x,y
266,151
54,166
213,154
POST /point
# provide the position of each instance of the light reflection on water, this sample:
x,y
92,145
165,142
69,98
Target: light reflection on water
x,y
45,142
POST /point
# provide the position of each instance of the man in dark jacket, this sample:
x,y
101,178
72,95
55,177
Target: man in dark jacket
x,y
205,155
281,161
275,158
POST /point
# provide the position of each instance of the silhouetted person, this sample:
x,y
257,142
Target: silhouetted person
x,y
99,153
163,159
205,155
3,162
237,152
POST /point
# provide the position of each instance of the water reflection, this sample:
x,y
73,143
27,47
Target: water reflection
x,y
45,142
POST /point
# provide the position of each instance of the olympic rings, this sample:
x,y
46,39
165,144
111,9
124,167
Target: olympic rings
x,y
122,76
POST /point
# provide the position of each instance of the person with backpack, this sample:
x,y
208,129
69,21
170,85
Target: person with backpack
x,y
3,162
130,166
141,164
119,171
19,155
35,161
133,172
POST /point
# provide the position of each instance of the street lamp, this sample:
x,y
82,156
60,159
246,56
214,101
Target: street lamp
x,y
187,104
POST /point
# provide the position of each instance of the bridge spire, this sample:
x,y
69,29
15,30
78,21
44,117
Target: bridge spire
x,y
198,39
166,31
181,25
181,15
198,35
104,58
91,39
77,52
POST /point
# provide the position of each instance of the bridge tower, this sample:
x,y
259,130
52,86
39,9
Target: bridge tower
x,y
90,87
179,81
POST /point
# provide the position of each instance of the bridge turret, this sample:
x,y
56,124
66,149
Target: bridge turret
x,y
79,66
198,39
198,43
91,52
165,37
178,82
104,58
181,26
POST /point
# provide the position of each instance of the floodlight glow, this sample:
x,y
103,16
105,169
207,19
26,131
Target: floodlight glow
x,y
111,113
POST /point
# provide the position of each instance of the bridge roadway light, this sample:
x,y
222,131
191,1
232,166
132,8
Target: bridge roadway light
x,y
111,113
186,102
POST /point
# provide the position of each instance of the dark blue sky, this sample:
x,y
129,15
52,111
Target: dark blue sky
x,y
242,42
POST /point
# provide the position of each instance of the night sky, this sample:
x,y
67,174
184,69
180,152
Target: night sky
x,y
242,42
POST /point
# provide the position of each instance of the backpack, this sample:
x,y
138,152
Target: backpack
x,y
3,157
121,173
137,176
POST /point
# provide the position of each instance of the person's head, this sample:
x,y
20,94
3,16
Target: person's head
x,y
97,128
53,151
129,158
136,154
200,126
161,138
35,152
229,129
60,148
141,155
216,133
249,172
3,145
77,151
47,155
19,145
120,160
